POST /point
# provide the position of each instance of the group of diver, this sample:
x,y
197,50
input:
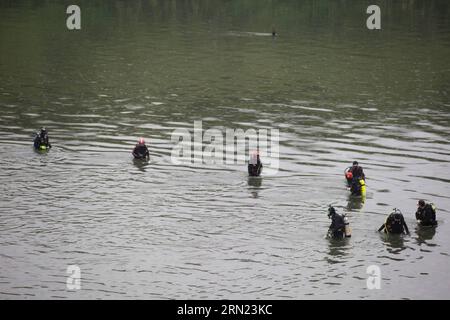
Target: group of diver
x,y
339,228
394,223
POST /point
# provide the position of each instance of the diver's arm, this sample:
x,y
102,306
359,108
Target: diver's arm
x,y
433,214
382,227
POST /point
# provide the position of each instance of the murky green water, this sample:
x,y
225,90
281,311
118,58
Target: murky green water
x,y
335,90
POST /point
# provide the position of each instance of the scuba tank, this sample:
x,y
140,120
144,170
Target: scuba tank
x,y
347,229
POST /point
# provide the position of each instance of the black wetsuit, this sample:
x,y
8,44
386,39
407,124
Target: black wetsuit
x,y
395,223
141,151
426,215
337,227
254,170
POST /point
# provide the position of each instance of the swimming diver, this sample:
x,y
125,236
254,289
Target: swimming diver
x,y
337,229
426,214
140,150
254,165
395,223
41,140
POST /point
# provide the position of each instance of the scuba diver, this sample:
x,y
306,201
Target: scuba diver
x,y
339,227
254,165
41,141
426,214
140,150
395,223
348,176
355,203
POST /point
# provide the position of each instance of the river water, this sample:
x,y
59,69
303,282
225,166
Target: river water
x,y
336,91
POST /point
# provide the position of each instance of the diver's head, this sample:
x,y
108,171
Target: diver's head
x,y
141,141
254,157
421,204
331,212
355,163
43,131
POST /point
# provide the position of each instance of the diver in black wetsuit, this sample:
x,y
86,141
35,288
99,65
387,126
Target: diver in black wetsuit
x,y
337,227
395,223
426,214
42,139
140,150
254,165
